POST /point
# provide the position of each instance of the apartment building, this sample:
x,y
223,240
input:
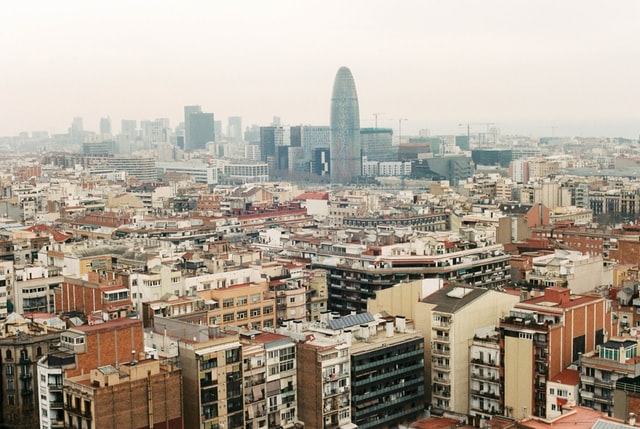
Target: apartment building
x,y
450,317
101,294
323,394
33,288
542,336
22,343
244,305
212,372
387,386
603,367
135,394
486,394
355,278
50,375
270,380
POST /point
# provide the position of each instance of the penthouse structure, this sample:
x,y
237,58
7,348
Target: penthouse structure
x,y
603,367
355,276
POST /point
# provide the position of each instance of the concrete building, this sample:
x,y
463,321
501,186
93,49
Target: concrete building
x,y
246,305
451,315
212,374
270,380
142,168
563,392
603,367
34,287
354,277
486,395
22,343
6,285
50,375
386,386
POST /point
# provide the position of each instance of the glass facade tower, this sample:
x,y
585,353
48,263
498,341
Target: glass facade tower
x,y
345,151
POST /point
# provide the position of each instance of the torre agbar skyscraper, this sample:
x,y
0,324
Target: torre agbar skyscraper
x,y
345,156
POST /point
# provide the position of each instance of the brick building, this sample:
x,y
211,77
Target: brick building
x,y
541,337
141,395
109,343
102,292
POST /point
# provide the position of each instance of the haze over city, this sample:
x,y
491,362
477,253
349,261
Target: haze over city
x,y
538,68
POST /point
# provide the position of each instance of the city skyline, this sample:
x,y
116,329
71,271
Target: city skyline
x,y
539,68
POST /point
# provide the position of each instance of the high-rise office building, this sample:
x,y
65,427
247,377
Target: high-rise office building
x,y
270,138
128,127
76,131
217,130
377,144
188,111
198,128
345,129
234,130
105,126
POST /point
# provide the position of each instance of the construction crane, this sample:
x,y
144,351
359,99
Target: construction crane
x,y
470,124
375,115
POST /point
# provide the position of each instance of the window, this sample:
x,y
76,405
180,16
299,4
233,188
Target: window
x,y
242,300
242,315
288,353
268,309
232,356
255,312
552,391
286,366
9,356
255,297
208,364
292,300
9,369
228,302
227,317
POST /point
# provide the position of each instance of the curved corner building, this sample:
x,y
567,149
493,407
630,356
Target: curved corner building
x,y
345,156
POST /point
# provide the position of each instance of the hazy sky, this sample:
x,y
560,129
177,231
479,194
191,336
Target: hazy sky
x,y
528,66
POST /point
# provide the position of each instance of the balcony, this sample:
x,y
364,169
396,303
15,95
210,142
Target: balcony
x,y
446,394
442,381
491,363
440,352
586,395
485,394
26,376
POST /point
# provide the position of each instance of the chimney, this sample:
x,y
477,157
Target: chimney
x,y
632,419
297,326
364,332
324,317
389,327
348,336
401,324
335,315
